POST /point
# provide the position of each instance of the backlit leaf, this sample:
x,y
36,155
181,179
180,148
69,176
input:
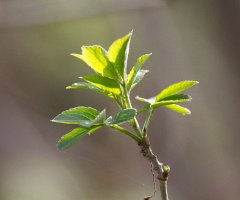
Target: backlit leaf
x,y
178,109
135,70
77,56
104,83
89,86
96,58
150,100
168,102
139,77
118,54
176,97
175,88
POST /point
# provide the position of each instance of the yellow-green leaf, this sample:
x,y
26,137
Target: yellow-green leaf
x,y
135,72
118,54
175,88
178,109
138,77
90,87
104,83
96,58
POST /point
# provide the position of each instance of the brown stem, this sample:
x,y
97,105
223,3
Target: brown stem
x,y
163,189
162,175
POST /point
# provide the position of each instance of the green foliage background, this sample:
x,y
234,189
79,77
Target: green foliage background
x,y
189,40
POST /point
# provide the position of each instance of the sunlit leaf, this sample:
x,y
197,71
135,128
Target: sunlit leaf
x,y
104,83
118,54
96,58
175,88
176,97
77,56
135,71
150,100
168,102
178,109
138,77
89,86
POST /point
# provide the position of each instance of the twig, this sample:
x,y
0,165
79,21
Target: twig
x,y
162,173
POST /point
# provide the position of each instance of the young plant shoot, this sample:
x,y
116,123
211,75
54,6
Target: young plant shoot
x,y
111,79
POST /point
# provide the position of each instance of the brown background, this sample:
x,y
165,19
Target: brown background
x,y
190,40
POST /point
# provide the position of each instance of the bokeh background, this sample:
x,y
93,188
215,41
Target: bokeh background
x,y
189,40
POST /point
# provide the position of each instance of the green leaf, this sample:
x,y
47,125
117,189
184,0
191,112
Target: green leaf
x,y
89,86
135,71
96,58
176,97
150,100
71,138
76,115
99,120
178,109
77,56
175,88
94,128
118,54
124,116
166,169
108,120
145,108
104,83
168,102
139,77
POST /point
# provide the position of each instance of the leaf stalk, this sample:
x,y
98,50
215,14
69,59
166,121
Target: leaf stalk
x,y
135,137
147,121
133,122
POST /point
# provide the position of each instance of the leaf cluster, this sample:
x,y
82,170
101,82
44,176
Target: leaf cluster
x,y
90,120
111,79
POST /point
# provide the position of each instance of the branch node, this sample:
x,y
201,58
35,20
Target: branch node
x,y
164,176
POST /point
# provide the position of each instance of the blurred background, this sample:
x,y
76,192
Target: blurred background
x,y
189,40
